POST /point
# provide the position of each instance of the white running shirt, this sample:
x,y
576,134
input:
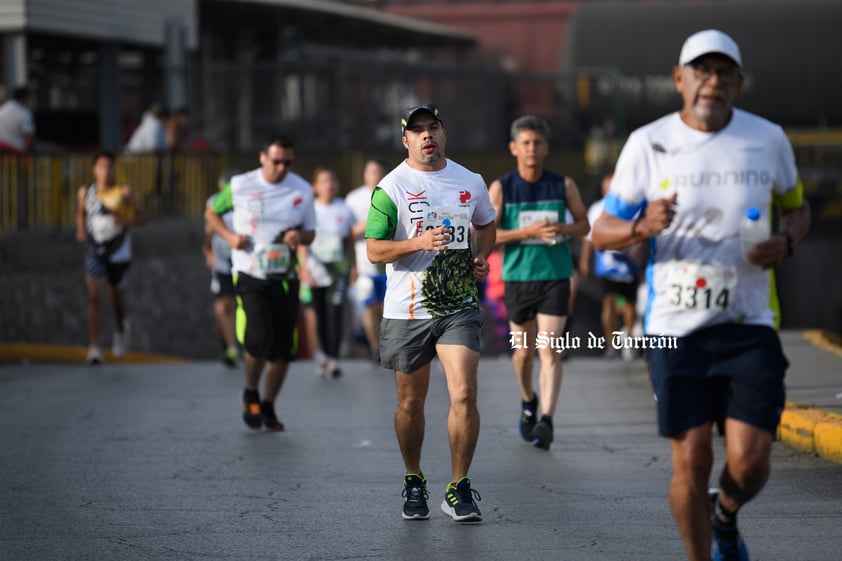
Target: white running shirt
x,y
696,275
333,228
265,211
359,201
407,202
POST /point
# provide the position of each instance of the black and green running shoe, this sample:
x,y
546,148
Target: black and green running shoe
x,y
415,491
459,503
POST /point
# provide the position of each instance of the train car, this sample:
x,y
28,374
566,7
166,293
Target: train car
x,y
622,55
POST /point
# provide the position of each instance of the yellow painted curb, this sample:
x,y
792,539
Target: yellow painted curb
x,y
812,430
828,439
33,352
824,340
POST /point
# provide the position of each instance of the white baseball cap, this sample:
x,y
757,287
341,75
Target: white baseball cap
x,y
709,41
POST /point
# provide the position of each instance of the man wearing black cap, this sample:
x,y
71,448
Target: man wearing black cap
x,y
695,176
420,225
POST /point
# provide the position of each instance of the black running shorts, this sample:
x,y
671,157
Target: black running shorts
x,y
524,299
267,317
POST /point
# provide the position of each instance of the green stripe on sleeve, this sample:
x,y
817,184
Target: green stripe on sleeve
x,y
223,202
792,199
382,216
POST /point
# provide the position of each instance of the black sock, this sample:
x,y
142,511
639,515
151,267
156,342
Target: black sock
x,y
723,517
532,404
547,419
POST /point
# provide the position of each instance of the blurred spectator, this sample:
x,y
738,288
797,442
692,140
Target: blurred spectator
x,y
150,135
176,125
17,124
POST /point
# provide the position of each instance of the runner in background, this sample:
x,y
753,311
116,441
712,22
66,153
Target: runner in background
x,y
217,254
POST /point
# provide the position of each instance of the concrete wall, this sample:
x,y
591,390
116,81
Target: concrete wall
x,y
168,299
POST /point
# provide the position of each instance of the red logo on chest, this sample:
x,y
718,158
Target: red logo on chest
x,y
464,196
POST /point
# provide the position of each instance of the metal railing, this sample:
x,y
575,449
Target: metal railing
x,y
40,192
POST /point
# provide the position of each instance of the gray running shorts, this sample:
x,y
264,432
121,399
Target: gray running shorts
x,y
407,345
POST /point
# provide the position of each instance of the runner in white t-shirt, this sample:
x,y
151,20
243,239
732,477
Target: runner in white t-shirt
x,y
418,225
370,282
326,268
272,215
692,175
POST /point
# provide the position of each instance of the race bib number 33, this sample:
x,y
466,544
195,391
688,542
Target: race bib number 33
x,y
700,287
456,220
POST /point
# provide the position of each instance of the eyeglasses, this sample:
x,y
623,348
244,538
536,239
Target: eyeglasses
x,y
278,162
727,76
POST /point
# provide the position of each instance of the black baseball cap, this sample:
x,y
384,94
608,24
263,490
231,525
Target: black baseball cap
x,y
428,107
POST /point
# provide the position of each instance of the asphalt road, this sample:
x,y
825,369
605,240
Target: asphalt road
x,y
153,462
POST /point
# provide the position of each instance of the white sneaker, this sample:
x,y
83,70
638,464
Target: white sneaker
x,y
332,369
121,341
321,363
94,356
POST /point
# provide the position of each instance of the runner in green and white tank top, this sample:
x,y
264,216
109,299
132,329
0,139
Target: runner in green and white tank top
x,y
531,205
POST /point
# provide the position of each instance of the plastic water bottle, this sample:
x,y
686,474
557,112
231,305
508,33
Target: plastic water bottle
x,y
754,228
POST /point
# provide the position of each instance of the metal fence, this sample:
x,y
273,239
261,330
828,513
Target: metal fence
x,y
40,192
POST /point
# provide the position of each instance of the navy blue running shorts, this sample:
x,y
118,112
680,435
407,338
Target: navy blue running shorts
x,y
99,266
267,317
726,371
526,299
408,344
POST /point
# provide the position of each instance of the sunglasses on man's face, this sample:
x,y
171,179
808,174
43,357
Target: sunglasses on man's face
x,y
702,72
279,161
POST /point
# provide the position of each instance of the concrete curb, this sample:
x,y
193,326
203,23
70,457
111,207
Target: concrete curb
x,y
824,340
31,352
814,430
